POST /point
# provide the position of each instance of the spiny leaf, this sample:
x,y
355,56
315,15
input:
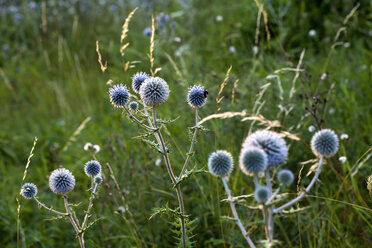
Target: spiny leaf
x,y
187,174
173,213
166,122
155,146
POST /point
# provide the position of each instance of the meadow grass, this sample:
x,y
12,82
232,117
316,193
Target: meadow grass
x,y
51,83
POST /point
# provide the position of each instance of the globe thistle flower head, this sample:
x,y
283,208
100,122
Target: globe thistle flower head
x,y
154,91
137,80
147,32
252,160
285,177
220,163
61,181
119,95
324,143
261,194
271,142
197,96
92,168
98,179
28,190
133,106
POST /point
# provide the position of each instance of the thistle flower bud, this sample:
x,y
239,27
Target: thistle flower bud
x,y
154,91
285,177
271,142
28,190
92,168
137,80
133,106
197,96
324,143
61,181
220,163
119,95
261,194
98,179
252,160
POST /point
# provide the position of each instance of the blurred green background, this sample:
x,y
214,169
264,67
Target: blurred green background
x,y
50,82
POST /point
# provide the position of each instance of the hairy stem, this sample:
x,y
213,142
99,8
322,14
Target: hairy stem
x,y
138,121
308,188
52,210
92,195
192,142
172,177
236,216
270,220
73,223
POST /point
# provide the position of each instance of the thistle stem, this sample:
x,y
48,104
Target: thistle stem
x,y
270,220
308,188
138,121
192,143
236,216
73,223
92,195
172,177
52,210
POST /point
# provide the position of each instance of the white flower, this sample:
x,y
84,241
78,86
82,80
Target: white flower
x,y
158,162
331,111
346,44
312,33
255,49
311,129
323,77
109,82
219,18
87,146
342,159
96,148
177,40
232,49
344,136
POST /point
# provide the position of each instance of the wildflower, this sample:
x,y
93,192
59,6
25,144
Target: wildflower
x,y
197,96
312,33
147,32
252,160
342,159
255,50
162,19
311,129
98,179
28,190
96,148
285,177
61,181
119,96
232,49
137,80
324,143
271,142
220,163
219,18
154,91
177,40
92,168
87,146
331,111
261,194
133,106
344,136
158,162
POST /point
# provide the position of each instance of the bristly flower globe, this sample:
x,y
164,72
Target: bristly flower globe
x,y
220,163
285,177
271,142
137,80
261,194
324,143
61,181
197,96
119,95
28,190
133,106
154,91
92,168
98,179
252,160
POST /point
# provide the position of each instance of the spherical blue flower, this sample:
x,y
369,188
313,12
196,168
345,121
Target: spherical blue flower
x,y
133,106
220,163
324,143
28,190
154,91
285,177
137,80
252,160
261,194
98,179
162,19
92,168
173,24
197,96
119,96
61,181
147,32
271,142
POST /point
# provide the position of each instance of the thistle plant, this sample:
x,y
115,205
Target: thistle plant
x,y
153,92
62,182
263,152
